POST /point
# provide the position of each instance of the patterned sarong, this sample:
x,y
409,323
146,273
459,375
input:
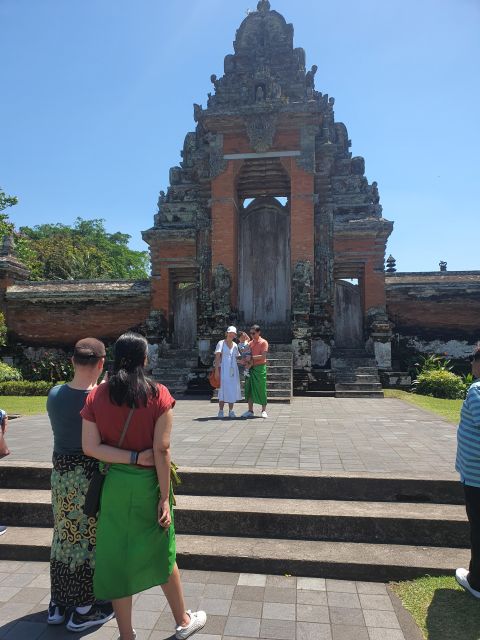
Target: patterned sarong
x,y
256,385
72,559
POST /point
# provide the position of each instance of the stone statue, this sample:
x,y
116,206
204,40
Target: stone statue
x,y
375,194
263,6
161,200
175,175
310,80
189,148
214,81
222,284
302,287
197,111
443,265
8,246
244,94
260,94
358,166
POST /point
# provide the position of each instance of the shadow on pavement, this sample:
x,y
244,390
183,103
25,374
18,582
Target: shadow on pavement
x,y
453,614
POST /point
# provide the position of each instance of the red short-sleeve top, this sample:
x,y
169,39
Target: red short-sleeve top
x,y
110,418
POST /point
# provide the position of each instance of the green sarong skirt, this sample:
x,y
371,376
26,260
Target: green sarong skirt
x,y
133,552
256,385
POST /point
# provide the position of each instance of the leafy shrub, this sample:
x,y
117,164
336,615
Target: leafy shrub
x,y
433,362
51,367
9,373
439,384
25,388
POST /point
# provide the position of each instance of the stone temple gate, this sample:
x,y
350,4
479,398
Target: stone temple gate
x,y
270,219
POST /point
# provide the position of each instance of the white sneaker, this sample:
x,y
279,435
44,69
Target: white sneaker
x,y
56,613
247,414
264,414
134,635
220,414
461,576
231,414
198,620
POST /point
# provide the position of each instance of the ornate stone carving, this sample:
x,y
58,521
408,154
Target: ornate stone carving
x,y
217,163
302,281
263,6
8,246
310,80
222,283
358,166
261,130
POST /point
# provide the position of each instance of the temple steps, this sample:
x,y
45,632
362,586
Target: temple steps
x,y
356,374
360,527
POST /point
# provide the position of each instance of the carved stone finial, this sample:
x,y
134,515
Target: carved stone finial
x,y
263,6
8,246
443,265
391,264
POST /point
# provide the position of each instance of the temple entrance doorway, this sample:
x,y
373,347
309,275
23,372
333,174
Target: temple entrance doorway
x,y
264,266
348,315
185,315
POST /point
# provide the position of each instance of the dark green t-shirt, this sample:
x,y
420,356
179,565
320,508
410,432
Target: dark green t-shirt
x,y
64,405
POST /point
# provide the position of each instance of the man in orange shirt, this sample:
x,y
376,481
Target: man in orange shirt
x,y
256,382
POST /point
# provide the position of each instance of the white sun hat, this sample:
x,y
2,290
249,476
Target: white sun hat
x,y
232,329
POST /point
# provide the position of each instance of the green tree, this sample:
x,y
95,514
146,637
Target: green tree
x,y
6,227
82,251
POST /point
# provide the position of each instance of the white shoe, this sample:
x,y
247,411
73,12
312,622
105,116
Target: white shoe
x,y
56,613
134,635
264,414
231,414
247,414
198,620
461,576
220,414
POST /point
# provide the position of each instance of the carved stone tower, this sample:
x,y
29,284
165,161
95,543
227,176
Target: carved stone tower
x,y
269,215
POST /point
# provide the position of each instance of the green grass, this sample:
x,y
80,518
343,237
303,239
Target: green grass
x,y
24,405
442,609
448,409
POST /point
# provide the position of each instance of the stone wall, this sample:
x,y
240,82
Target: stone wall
x,y
60,313
434,312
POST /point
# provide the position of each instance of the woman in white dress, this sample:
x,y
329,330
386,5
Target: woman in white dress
x,y
226,356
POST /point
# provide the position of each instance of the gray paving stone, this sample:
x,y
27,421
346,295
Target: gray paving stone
x,y
8,592
313,631
312,597
249,593
144,619
341,615
279,594
246,609
252,580
243,627
224,591
278,611
342,586
381,603
223,577
25,631
311,584
346,600
146,602
345,632
215,625
385,619
282,582
371,588
312,613
385,634
379,436
215,606
277,629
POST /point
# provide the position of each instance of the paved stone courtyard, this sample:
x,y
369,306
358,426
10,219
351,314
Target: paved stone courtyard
x,y
327,434
238,606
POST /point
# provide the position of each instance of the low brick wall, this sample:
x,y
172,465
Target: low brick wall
x,y
59,313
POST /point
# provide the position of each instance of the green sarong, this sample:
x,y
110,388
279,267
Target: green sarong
x,y
133,552
256,385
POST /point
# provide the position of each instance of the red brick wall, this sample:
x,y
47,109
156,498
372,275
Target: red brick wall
x,y
64,323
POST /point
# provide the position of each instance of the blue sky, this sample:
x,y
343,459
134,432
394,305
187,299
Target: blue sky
x,y
97,98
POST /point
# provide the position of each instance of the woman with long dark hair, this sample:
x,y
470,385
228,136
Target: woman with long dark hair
x,y
135,531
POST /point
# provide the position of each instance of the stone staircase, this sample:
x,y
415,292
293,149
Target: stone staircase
x,y
279,375
173,369
356,374
358,527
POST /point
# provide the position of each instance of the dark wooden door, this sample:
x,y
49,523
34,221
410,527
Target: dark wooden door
x,y
264,255
348,315
185,316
